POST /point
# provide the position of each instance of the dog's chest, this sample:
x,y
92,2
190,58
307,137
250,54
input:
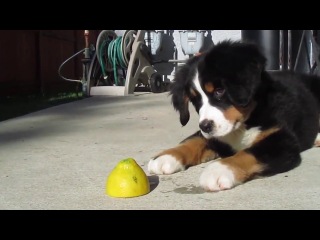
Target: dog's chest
x,y
241,138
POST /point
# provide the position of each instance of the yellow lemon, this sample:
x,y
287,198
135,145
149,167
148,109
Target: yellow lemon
x,y
127,179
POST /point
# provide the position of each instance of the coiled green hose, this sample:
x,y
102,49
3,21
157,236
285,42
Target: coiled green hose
x,y
114,56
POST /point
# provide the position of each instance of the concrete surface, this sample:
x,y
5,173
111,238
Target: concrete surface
x,y
59,158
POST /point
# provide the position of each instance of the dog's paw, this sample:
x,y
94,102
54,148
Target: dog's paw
x,y
165,164
217,177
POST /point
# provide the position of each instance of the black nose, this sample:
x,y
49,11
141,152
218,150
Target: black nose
x,y
206,125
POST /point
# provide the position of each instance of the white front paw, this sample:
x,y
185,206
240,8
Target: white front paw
x,y
217,177
165,164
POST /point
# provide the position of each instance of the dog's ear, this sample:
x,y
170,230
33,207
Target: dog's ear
x,y
181,103
242,89
180,88
179,94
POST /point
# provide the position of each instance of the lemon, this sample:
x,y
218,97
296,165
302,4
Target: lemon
x,y
127,180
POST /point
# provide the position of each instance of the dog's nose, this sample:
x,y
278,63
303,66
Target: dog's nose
x,y
206,125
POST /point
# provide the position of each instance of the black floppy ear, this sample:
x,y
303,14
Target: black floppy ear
x,y
180,103
179,96
180,88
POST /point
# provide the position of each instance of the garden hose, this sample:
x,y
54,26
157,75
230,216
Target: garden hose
x,y
112,50
115,57
102,51
62,64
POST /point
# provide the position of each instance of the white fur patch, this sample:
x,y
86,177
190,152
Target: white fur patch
x,y
165,164
241,138
222,125
217,177
226,131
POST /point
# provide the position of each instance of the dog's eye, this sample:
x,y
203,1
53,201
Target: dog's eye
x,y
218,93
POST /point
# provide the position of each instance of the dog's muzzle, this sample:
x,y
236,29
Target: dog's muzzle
x,y
206,125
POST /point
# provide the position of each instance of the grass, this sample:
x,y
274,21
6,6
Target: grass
x,y
11,107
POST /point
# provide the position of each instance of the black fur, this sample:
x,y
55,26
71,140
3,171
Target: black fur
x,y
180,90
240,79
286,100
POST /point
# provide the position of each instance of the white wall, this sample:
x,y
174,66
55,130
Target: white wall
x,y
217,35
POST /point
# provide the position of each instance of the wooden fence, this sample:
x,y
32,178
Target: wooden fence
x,y
30,59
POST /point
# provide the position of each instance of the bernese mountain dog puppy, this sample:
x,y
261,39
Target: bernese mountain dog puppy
x,y
252,122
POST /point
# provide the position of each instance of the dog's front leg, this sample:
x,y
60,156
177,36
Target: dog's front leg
x,y
275,150
191,151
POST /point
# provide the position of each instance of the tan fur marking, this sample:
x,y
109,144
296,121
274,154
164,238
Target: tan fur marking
x,y
239,114
234,114
265,134
209,87
193,92
198,53
186,102
317,143
191,152
244,165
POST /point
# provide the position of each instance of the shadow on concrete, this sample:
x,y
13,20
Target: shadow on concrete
x,y
154,182
70,117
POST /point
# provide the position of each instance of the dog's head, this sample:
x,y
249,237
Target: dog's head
x,y
221,85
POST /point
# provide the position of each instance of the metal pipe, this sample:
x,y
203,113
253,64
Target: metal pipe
x,y
289,49
86,39
299,51
268,42
177,61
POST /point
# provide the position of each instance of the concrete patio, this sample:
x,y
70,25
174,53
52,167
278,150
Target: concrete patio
x,y
60,157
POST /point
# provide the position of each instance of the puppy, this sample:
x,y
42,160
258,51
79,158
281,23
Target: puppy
x,y
252,122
